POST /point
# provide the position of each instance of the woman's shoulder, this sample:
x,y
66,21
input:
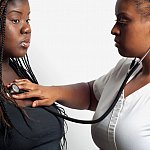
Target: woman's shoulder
x,y
123,62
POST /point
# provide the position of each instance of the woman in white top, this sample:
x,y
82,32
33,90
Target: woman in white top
x,y
127,127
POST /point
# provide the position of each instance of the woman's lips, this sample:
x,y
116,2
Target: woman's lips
x,y
25,44
116,43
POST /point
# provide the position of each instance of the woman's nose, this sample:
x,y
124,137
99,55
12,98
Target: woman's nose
x,y
26,29
115,30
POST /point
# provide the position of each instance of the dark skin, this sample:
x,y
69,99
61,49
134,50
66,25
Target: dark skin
x,y
132,37
17,39
131,25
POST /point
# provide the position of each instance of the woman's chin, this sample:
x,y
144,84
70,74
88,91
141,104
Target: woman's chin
x,y
22,53
122,53
20,56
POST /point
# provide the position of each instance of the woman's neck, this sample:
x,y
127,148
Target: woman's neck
x,y
146,66
5,65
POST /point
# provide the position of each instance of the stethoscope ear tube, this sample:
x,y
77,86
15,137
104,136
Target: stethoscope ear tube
x,y
133,67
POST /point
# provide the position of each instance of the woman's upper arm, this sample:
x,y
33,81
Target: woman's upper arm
x,y
93,100
99,84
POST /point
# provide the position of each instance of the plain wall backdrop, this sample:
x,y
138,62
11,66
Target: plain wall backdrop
x,y
72,42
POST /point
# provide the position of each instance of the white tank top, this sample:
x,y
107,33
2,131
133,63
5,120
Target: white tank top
x,y
127,127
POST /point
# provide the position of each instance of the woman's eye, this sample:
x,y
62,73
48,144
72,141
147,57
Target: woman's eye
x,y
28,20
122,21
15,21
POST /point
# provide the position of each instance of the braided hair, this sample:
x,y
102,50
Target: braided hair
x,y
23,69
3,5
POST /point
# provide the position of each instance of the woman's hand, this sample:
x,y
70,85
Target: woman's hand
x,y
77,96
42,94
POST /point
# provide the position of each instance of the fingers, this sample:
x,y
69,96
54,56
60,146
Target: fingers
x,y
39,94
39,100
22,80
44,102
25,84
26,95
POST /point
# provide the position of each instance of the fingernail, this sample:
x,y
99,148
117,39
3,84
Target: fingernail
x,y
34,104
14,96
16,80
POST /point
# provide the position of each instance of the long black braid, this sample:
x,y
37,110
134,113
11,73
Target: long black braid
x,y
3,5
22,67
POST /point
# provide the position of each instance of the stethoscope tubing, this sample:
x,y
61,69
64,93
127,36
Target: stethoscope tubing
x,y
132,68
130,72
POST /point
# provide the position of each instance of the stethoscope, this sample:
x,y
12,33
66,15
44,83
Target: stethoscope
x,y
134,65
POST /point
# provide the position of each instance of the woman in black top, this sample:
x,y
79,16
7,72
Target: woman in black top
x,y
21,126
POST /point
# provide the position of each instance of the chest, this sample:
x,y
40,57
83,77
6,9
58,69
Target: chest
x,y
9,75
138,81
128,124
44,131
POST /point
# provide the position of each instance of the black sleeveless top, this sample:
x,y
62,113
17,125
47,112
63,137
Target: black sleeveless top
x,y
38,130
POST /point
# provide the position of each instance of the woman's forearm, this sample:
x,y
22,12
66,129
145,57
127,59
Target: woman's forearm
x,y
77,96
74,96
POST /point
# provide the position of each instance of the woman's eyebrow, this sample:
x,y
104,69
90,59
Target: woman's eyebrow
x,y
123,14
16,11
